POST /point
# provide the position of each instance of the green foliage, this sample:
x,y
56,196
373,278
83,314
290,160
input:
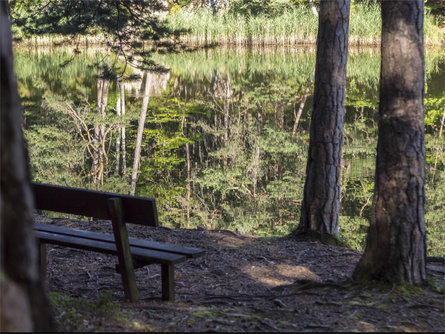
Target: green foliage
x,y
434,107
435,214
353,231
267,8
48,145
121,20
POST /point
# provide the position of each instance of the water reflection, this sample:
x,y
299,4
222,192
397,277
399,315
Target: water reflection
x,y
220,139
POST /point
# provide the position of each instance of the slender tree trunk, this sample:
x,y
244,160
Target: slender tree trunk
x,y
226,114
321,202
141,124
442,123
23,303
99,154
396,241
189,169
438,150
124,149
256,159
118,138
300,109
227,107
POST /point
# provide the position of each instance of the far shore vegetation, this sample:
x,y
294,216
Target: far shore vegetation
x,y
281,22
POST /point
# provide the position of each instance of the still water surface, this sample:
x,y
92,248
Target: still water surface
x,y
219,138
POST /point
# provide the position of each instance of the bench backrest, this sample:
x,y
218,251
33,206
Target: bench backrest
x,y
90,203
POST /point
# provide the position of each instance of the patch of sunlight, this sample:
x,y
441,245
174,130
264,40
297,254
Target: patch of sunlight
x,y
279,274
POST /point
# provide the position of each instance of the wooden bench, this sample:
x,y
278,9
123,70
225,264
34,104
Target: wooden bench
x,y
120,209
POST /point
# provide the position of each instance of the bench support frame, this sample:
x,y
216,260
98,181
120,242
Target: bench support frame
x,y
123,249
168,282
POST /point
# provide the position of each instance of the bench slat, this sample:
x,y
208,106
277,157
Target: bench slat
x,y
137,210
141,254
189,252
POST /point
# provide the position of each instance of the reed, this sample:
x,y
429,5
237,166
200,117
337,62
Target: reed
x,y
295,26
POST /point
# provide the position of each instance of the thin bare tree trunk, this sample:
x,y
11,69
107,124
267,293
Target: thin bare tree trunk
x,y
141,124
124,149
226,114
24,305
99,154
256,161
118,138
437,151
189,169
300,109
227,107
442,123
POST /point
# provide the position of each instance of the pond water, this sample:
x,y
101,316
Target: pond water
x,y
219,138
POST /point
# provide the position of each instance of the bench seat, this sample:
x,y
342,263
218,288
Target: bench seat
x,y
58,231
138,253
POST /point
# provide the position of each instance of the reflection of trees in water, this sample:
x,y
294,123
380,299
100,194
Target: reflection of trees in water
x,y
224,138
141,124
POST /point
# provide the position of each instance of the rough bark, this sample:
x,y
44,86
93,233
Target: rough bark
x,y
321,202
20,281
141,124
396,241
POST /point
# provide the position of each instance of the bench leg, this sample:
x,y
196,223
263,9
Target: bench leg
x,y
123,249
42,260
168,282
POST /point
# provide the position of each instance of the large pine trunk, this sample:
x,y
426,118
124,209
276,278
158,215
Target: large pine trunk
x,y
321,202
23,303
396,242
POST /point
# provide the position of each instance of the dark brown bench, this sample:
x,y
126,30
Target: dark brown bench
x,y
120,209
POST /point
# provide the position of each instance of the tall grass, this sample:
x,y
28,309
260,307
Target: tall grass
x,y
296,25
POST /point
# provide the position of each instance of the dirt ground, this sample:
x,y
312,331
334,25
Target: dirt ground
x,y
242,283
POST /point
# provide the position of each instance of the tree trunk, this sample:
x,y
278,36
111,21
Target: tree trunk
x,y
257,153
141,124
300,109
396,241
321,202
124,149
99,154
228,93
24,305
118,137
438,148
184,133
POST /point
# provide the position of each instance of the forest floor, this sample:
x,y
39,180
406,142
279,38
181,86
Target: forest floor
x,y
242,283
